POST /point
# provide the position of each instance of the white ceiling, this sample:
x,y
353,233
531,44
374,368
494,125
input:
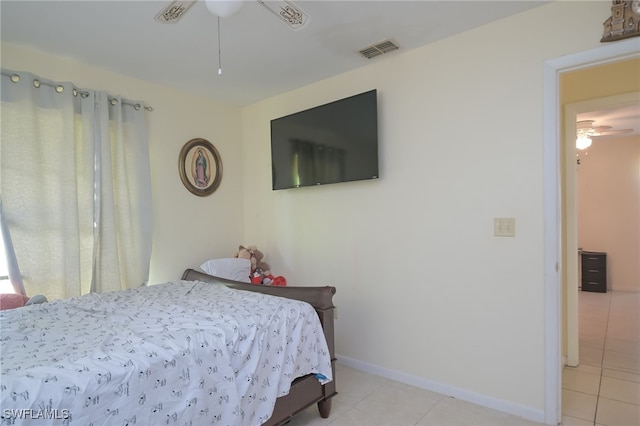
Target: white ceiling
x,y
261,57
621,118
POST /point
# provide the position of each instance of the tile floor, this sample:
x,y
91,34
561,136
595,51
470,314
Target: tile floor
x,y
368,400
603,390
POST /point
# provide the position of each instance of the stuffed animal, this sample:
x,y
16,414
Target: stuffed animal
x,y
259,264
243,253
276,281
260,271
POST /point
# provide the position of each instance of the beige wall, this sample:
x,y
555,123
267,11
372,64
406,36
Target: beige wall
x,y
425,292
609,207
424,289
186,229
600,81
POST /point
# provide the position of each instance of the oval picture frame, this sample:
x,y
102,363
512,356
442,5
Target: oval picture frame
x,y
200,167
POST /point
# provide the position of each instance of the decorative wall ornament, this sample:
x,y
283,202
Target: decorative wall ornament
x,y
200,167
624,21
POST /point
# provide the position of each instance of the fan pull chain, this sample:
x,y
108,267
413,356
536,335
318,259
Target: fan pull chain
x,y
219,55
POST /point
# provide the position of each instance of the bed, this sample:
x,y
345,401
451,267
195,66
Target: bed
x,y
190,352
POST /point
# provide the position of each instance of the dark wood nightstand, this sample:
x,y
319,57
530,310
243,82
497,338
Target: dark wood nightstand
x,y
594,271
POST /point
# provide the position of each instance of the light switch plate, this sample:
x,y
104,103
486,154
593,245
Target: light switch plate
x,y
504,226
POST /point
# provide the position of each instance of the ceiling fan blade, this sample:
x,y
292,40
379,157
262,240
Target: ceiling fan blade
x,y
613,132
287,12
174,11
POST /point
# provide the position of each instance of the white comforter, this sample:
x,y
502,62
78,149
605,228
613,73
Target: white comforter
x,y
183,353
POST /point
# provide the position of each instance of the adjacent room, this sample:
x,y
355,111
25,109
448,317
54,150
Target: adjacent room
x,y
601,375
442,257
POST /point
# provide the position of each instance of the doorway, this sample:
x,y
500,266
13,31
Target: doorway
x,y
571,113
555,254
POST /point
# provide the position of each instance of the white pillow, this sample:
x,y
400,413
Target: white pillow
x,y
230,268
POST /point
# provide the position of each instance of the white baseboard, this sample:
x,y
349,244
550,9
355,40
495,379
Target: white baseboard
x,y
529,413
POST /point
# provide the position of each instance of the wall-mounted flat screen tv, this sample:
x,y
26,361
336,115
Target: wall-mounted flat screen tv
x,y
331,143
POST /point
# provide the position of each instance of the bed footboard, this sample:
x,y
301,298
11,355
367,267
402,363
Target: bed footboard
x,y
306,390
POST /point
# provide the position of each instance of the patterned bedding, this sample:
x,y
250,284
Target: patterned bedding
x,y
183,353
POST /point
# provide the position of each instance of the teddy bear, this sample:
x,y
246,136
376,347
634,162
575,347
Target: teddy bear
x,y
259,269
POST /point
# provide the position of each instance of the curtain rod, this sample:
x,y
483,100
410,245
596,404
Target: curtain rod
x,y
76,91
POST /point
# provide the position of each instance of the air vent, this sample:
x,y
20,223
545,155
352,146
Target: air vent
x,y
378,49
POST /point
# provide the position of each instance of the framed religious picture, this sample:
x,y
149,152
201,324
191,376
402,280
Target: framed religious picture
x,y
200,167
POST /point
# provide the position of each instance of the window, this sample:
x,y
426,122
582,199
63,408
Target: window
x,y
5,284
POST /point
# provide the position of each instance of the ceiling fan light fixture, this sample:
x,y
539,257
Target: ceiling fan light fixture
x,y
224,8
584,131
583,142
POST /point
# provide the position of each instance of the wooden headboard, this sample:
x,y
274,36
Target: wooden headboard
x,y
318,297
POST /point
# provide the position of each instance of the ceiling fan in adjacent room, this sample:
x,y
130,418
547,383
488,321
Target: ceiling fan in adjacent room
x,y
586,131
286,11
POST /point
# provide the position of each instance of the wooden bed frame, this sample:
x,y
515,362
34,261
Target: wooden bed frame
x,y
306,390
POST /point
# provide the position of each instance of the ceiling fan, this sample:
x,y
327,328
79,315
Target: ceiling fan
x,y
286,11
585,131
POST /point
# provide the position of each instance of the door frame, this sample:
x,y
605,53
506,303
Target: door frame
x,y
553,232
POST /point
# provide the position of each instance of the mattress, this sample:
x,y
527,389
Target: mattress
x,y
175,353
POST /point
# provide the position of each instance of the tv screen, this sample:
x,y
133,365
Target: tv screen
x,y
331,143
